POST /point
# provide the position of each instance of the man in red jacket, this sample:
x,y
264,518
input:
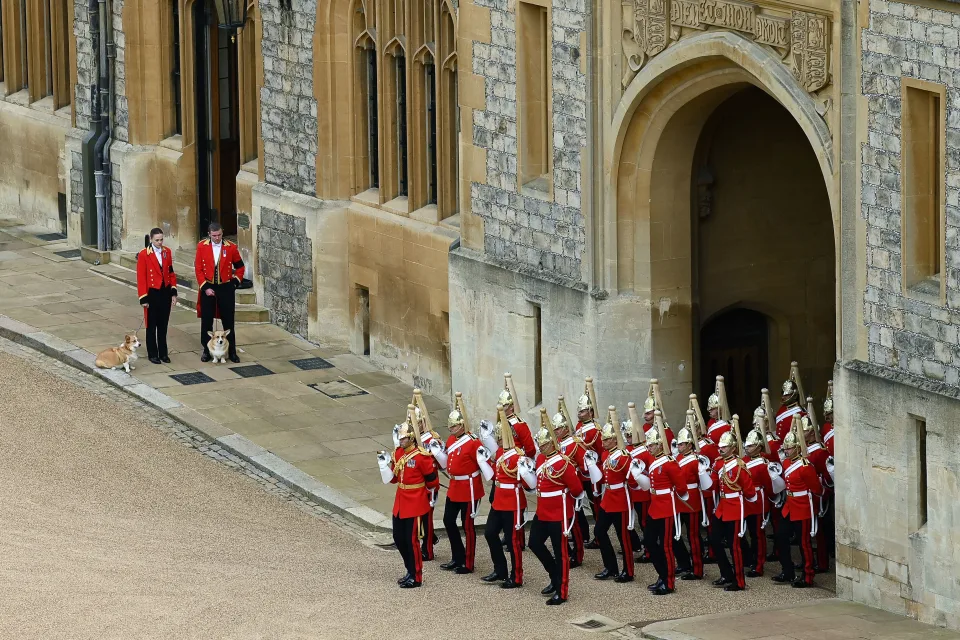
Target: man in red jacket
x,y
716,426
668,495
616,507
790,399
412,469
691,564
735,490
818,456
588,432
559,495
157,288
521,429
573,448
757,513
219,270
799,513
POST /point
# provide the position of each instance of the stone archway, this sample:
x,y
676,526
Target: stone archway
x,y
649,229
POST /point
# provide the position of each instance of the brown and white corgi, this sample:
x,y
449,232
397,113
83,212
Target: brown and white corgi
x,y
123,356
218,345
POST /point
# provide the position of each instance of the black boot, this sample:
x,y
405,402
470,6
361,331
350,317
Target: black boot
x,y
782,578
623,577
405,577
547,590
733,587
493,577
605,574
450,566
661,591
691,576
409,584
556,599
800,584
721,582
510,583
655,585
462,570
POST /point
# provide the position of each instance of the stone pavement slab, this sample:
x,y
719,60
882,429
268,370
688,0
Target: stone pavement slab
x,y
821,620
317,444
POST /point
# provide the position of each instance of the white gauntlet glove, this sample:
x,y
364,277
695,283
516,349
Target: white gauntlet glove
x,y
674,449
636,470
528,472
487,437
775,469
483,461
578,502
590,459
386,467
396,436
830,465
436,450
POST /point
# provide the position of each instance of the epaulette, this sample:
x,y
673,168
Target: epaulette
x,y
205,242
473,436
227,243
435,435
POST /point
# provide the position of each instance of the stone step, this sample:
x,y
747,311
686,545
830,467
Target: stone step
x,y
245,312
185,277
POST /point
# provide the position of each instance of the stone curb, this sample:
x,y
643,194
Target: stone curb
x,y
235,443
666,629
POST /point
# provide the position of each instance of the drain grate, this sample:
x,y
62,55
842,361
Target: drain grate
x,y
192,378
69,253
338,389
50,237
595,623
311,364
589,624
252,371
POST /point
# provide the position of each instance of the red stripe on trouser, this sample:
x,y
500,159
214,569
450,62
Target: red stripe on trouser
x,y
761,545
470,533
564,569
737,550
577,542
625,543
668,550
822,561
807,548
516,556
644,509
428,535
696,550
414,548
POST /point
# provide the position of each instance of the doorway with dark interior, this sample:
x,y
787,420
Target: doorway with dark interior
x,y
734,345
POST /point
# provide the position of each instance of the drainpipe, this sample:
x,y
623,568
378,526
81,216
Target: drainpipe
x,y
88,148
100,189
111,52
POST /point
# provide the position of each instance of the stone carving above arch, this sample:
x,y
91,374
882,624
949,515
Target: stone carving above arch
x,y
801,39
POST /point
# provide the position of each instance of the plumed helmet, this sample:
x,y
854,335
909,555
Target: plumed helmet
x,y
790,441
713,402
559,421
584,403
404,430
789,388
626,428
505,398
455,419
684,436
754,439
420,419
806,424
727,440
649,404
653,437
608,431
828,405
544,437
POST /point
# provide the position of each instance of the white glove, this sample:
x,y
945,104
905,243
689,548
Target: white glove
x,y
436,450
483,461
578,503
486,428
704,464
706,481
396,436
674,449
830,465
776,480
590,459
528,472
386,471
636,470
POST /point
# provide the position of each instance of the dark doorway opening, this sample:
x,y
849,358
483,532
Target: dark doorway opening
x,y
734,345
218,131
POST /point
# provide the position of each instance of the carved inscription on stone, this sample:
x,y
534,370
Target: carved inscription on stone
x,y
808,48
651,19
685,13
773,31
730,15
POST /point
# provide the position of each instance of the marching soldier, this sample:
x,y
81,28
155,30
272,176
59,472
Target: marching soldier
x,y
799,515
617,502
791,397
459,460
827,430
413,470
157,288
636,446
427,438
559,492
696,473
669,492
588,432
651,405
818,456
509,501
573,448
763,479
736,489
521,430
219,270
716,425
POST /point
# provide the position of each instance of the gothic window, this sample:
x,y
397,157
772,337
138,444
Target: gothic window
x,y
367,128
403,177
448,121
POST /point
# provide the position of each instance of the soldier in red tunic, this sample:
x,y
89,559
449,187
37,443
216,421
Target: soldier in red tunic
x,y
716,425
799,513
735,487
219,270
412,469
617,502
157,289
651,405
669,493
763,478
696,473
459,460
509,500
638,452
574,448
559,491
521,429
818,457
427,437
589,433
791,398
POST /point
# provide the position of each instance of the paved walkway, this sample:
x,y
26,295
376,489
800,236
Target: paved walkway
x,y
326,422
823,620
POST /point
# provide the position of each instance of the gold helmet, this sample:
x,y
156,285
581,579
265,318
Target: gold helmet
x,y
583,403
559,421
405,430
727,440
545,435
685,436
828,401
789,388
759,414
649,404
455,419
713,402
562,411
658,434
790,441
608,431
806,424
653,437
505,398
754,439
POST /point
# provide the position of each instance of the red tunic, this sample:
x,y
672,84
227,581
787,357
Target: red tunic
x,y
802,486
557,486
414,473
463,468
709,449
827,433
590,435
150,275
734,487
690,468
230,266
666,484
508,494
716,428
619,485
522,436
574,449
669,433
785,419
640,453
761,481
774,455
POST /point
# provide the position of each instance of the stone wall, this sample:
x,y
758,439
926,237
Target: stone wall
x,y
285,262
121,115
86,64
287,106
907,333
531,231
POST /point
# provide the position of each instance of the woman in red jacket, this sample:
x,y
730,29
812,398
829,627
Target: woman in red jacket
x,y
157,288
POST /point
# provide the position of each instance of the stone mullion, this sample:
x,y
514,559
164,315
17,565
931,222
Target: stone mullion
x,y
60,26
386,109
12,48
37,63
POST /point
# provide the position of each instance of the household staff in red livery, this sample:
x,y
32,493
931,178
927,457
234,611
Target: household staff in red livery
x,y
157,289
633,434
459,460
791,399
736,490
717,425
696,473
509,499
559,495
669,494
412,469
799,514
616,502
219,270
818,457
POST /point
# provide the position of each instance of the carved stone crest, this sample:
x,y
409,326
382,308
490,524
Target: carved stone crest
x,y
808,48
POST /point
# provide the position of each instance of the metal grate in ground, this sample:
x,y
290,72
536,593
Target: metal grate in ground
x,y
69,253
337,389
252,371
191,378
311,364
50,237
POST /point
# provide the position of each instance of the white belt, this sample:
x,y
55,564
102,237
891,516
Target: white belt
x,y
693,486
552,494
797,494
473,500
615,486
663,492
731,496
501,485
472,475
743,519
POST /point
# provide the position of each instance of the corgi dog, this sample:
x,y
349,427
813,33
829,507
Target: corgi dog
x,y
123,356
218,345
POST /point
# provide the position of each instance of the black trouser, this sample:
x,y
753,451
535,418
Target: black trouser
x,y
463,556
224,301
801,529
158,316
727,533
620,520
680,551
406,533
504,521
658,539
556,564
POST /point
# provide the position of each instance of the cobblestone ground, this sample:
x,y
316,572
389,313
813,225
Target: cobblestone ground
x,y
111,530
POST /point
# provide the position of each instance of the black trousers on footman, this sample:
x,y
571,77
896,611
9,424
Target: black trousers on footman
x,y
224,300
158,317
504,521
406,535
556,564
